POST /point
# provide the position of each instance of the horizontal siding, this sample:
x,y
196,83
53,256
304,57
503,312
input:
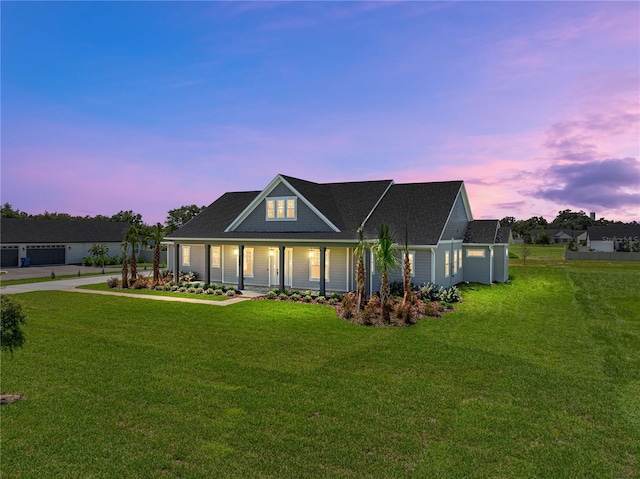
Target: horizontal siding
x,y
456,227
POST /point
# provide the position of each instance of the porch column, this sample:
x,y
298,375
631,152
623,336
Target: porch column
x,y
240,266
207,263
323,253
176,266
281,268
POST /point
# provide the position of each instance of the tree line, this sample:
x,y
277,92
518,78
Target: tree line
x,y
175,218
566,219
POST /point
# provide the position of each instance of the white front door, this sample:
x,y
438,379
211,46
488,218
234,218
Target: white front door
x,y
274,264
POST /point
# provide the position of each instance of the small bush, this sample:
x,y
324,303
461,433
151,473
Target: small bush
x,y
348,305
191,290
87,261
199,290
12,318
113,283
272,295
231,293
283,296
217,292
307,298
321,300
307,292
53,275
209,291
141,283
295,297
159,287
182,289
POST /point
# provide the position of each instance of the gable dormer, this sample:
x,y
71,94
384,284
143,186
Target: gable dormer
x,y
282,208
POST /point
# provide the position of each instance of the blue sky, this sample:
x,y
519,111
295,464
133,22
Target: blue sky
x,y
110,106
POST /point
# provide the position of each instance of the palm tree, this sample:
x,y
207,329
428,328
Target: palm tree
x,y
134,239
406,271
386,260
157,233
360,271
125,270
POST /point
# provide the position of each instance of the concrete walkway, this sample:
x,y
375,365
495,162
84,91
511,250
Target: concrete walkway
x,y
70,284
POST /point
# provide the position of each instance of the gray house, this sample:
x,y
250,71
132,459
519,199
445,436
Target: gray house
x,y
613,237
300,234
49,242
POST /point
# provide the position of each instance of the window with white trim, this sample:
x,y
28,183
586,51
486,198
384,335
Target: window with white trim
x,y
447,264
476,253
284,208
412,262
314,264
247,269
459,259
215,256
186,256
455,262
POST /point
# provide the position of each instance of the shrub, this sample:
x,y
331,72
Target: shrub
x,y
337,296
113,282
53,275
191,290
372,311
272,295
348,305
430,292
209,291
87,261
396,288
182,289
217,292
12,318
321,300
189,276
307,298
333,301
307,292
141,283
231,293
159,287
295,297
450,295
199,290
283,296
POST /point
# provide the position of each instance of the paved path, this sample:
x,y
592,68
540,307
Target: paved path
x,y
72,283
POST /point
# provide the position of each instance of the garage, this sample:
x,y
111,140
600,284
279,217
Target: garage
x,y
45,254
9,257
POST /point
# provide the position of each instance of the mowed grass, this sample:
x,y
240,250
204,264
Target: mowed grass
x,y
538,378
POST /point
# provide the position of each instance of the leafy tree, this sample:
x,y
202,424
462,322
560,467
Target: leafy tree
x,y
524,227
12,318
180,216
386,260
507,221
100,252
359,252
134,219
525,252
543,238
7,211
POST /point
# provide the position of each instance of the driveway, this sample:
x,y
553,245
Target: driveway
x,y
59,270
54,285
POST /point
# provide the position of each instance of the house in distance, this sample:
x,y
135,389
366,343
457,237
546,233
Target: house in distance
x,y
301,235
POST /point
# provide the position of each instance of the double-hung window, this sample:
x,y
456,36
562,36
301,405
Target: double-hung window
x,y
186,256
314,264
284,208
215,256
447,264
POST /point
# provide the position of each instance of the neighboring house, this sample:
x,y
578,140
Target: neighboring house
x,y
561,235
613,237
301,235
48,242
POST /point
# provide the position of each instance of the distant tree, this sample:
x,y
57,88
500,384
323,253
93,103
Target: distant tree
x,y
524,227
134,219
180,216
100,252
7,211
525,252
11,319
507,221
543,238
568,219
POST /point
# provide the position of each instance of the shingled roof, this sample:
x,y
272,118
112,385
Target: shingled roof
x,y
483,232
422,207
16,231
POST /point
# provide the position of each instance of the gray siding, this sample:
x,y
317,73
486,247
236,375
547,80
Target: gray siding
x,y
458,221
337,270
500,263
477,270
422,269
306,220
453,278
196,260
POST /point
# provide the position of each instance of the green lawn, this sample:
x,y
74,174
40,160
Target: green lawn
x,y
537,378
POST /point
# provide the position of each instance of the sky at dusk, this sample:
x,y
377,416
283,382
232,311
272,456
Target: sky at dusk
x,y
148,106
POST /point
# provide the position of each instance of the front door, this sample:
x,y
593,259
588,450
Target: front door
x,y
274,262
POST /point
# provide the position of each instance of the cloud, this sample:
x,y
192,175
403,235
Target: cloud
x,y
610,183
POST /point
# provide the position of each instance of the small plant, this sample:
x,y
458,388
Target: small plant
x,y
307,292
231,293
175,288
307,298
333,301
191,290
182,289
209,291
295,297
113,283
199,290
11,319
272,295
217,292
53,275
141,283
159,287
283,296
321,300
79,273
348,305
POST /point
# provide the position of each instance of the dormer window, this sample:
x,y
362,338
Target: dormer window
x,y
279,209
